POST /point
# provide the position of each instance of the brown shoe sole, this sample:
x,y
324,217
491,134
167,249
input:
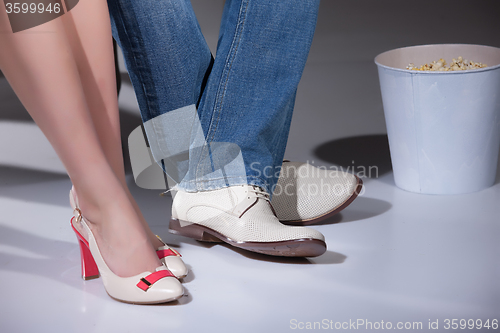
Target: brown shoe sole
x,y
305,247
329,214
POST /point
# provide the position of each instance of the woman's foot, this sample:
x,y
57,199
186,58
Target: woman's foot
x,y
119,234
148,287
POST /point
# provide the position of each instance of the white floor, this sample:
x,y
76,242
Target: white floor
x,y
393,256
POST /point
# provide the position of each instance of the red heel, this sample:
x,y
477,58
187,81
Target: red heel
x,y
89,267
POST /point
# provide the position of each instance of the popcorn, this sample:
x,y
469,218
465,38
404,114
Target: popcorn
x,y
458,64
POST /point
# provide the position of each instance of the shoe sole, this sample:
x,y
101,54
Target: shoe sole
x,y
304,247
329,214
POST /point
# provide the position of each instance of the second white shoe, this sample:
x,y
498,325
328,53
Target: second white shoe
x,y
306,194
241,216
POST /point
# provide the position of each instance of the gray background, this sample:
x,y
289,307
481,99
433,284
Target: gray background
x,y
392,255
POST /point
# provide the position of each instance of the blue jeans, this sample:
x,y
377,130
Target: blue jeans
x,y
217,122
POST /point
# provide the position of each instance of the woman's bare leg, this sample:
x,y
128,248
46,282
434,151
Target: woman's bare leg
x,y
41,68
92,47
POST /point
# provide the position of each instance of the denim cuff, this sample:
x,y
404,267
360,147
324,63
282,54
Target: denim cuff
x,y
218,183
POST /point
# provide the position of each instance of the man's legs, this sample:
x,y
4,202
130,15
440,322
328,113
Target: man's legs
x,y
238,134
249,100
250,95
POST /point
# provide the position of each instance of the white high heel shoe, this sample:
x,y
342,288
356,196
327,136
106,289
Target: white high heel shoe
x,y
171,258
145,288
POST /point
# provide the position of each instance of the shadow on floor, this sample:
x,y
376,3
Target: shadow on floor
x,y
327,258
361,209
367,156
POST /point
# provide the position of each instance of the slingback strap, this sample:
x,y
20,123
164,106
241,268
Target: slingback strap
x,y
148,281
78,234
167,253
78,214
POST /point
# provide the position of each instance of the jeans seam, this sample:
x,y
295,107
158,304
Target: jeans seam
x,y
229,64
225,76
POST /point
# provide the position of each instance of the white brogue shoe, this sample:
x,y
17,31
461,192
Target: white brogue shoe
x,y
241,216
306,194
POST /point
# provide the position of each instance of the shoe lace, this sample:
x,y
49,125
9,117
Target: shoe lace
x,y
174,189
260,193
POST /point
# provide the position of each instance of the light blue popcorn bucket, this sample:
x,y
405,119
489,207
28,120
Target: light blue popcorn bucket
x,y
443,127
